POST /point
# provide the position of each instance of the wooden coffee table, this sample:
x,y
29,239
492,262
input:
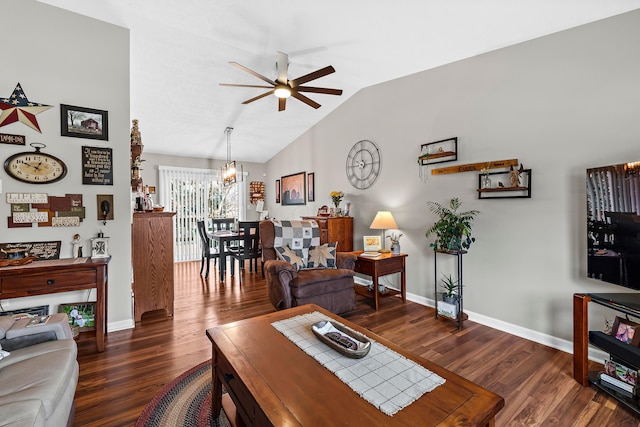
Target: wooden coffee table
x,y
274,383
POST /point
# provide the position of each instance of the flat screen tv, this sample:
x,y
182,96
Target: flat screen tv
x,y
613,224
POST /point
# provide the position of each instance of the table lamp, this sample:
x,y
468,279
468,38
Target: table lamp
x,y
383,221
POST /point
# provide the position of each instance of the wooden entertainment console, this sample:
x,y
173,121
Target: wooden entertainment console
x,y
627,354
60,275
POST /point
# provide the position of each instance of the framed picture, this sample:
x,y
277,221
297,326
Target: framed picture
x,y
371,243
293,189
626,331
105,207
277,191
311,187
81,122
323,211
621,372
445,150
97,166
81,314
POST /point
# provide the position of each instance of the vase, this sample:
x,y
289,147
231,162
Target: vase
x,y
395,248
486,181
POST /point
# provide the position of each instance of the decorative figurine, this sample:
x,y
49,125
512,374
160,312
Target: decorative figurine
x,y
77,246
514,176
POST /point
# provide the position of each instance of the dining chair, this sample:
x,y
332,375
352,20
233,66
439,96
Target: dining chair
x,y
208,251
249,247
220,224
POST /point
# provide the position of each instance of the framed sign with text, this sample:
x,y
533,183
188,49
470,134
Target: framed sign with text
x,y
97,166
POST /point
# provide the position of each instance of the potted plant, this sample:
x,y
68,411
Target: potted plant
x,y
450,286
453,229
395,242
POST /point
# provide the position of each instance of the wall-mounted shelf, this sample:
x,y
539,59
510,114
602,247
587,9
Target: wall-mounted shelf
x,y
442,151
506,191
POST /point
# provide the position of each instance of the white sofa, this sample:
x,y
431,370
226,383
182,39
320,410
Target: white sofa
x,y
38,383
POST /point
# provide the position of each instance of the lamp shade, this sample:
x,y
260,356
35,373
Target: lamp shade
x,y
383,221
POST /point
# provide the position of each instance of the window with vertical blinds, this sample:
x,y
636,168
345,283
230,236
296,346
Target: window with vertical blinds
x,y
196,194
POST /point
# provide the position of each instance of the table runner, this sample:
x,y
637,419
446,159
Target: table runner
x,y
384,378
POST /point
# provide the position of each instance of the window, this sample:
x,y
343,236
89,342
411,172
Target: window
x,y
195,194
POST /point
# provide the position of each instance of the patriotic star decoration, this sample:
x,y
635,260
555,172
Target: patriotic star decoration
x,y
18,108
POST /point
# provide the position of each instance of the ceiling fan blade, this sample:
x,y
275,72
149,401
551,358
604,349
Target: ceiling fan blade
x,y
308,101
282,65
258,97
312,76
282,104
325,90
253,73
236,85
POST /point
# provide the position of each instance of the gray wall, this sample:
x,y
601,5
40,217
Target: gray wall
x,y
560,104
64,58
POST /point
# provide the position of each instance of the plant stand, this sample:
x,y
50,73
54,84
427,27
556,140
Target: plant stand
x,y
460,316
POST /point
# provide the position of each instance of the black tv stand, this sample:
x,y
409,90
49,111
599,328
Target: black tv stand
x,y
627,303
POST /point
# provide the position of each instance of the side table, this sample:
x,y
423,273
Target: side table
x,y
381,265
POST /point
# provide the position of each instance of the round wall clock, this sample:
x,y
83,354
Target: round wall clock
x,y
363,164
35,167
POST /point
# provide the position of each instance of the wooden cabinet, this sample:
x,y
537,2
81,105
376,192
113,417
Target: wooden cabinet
x,y
152,254
335,229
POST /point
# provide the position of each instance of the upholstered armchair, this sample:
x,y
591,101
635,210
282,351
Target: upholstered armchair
x,y
320,279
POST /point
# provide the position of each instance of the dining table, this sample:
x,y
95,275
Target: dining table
x,y
224,239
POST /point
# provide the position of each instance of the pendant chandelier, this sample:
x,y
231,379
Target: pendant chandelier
x,y
229,171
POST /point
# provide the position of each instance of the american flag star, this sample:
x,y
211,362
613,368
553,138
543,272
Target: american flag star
x,y
18,108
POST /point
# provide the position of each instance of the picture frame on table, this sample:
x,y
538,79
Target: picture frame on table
x,y
372,243
82,122
294,189
626,331
311,187
81,314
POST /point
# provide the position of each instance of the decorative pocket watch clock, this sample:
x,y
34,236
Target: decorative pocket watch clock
x,y
363,164
35,167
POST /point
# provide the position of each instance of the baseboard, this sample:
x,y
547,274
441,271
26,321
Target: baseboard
x,y
121,325
529,334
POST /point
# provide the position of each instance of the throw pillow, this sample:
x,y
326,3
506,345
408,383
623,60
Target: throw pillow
x,y
323,256
292,256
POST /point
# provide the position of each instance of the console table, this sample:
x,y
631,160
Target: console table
x,y
60,275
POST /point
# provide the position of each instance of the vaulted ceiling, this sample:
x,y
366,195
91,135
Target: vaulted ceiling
x,y
180,52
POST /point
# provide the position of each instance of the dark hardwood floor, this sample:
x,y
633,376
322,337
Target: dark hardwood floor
x,y
535,381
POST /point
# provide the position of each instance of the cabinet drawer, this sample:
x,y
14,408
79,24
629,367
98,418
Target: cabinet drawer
x,y
245,404
48,280
365,267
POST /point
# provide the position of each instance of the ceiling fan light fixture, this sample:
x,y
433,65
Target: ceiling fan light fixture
x,y
282,91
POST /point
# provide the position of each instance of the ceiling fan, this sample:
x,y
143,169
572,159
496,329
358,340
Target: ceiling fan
x,y
283,88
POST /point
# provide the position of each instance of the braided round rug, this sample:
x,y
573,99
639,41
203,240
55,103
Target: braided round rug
x,y
185,401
